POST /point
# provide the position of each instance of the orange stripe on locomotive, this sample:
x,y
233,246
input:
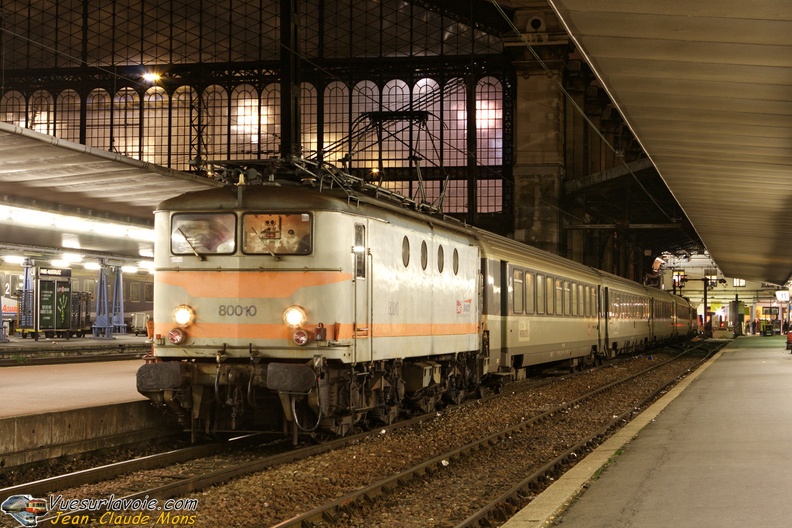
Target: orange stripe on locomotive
x,y
236,284
344,331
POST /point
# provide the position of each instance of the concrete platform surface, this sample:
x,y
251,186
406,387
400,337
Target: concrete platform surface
x,y
34,389
714,452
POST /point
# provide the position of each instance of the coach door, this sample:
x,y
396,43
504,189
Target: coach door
x,y
362,294
604,318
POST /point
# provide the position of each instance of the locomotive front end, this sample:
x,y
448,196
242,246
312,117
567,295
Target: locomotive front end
x,y
246,319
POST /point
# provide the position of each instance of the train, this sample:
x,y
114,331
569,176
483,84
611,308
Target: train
x,y
311,307
48,283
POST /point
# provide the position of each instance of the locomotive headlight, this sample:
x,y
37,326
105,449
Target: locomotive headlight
x,y
294,316
184,315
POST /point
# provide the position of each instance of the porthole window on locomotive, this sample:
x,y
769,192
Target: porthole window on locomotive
x,y
440,259
456,262
424,255
406,251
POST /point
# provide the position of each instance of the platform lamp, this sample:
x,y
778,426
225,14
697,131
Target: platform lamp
x,y
783,296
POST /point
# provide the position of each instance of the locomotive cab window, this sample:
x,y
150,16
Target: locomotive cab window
x,y
277,234
203,233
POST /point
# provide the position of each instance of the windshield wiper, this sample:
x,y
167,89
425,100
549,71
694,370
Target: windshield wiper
x,y
261,237
200,257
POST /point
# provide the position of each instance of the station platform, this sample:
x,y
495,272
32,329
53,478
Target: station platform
x,y
15,342
35,389
713,452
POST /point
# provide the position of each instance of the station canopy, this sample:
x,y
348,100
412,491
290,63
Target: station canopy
x,y
706,89
42,175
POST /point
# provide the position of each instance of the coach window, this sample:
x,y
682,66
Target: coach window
x,y
15,282
585,294
148,293
540,294
456,261
360,251
440,259
530,294
519,299
551,305
584,300
567,298
574,298
559,297
90,287
134,292
405,251
587,301
424,255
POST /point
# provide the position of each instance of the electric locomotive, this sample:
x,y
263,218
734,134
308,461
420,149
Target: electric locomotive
x,y
297,308
282,306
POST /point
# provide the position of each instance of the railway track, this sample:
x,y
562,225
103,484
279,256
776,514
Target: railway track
x,y
421,488
211,464
341,510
